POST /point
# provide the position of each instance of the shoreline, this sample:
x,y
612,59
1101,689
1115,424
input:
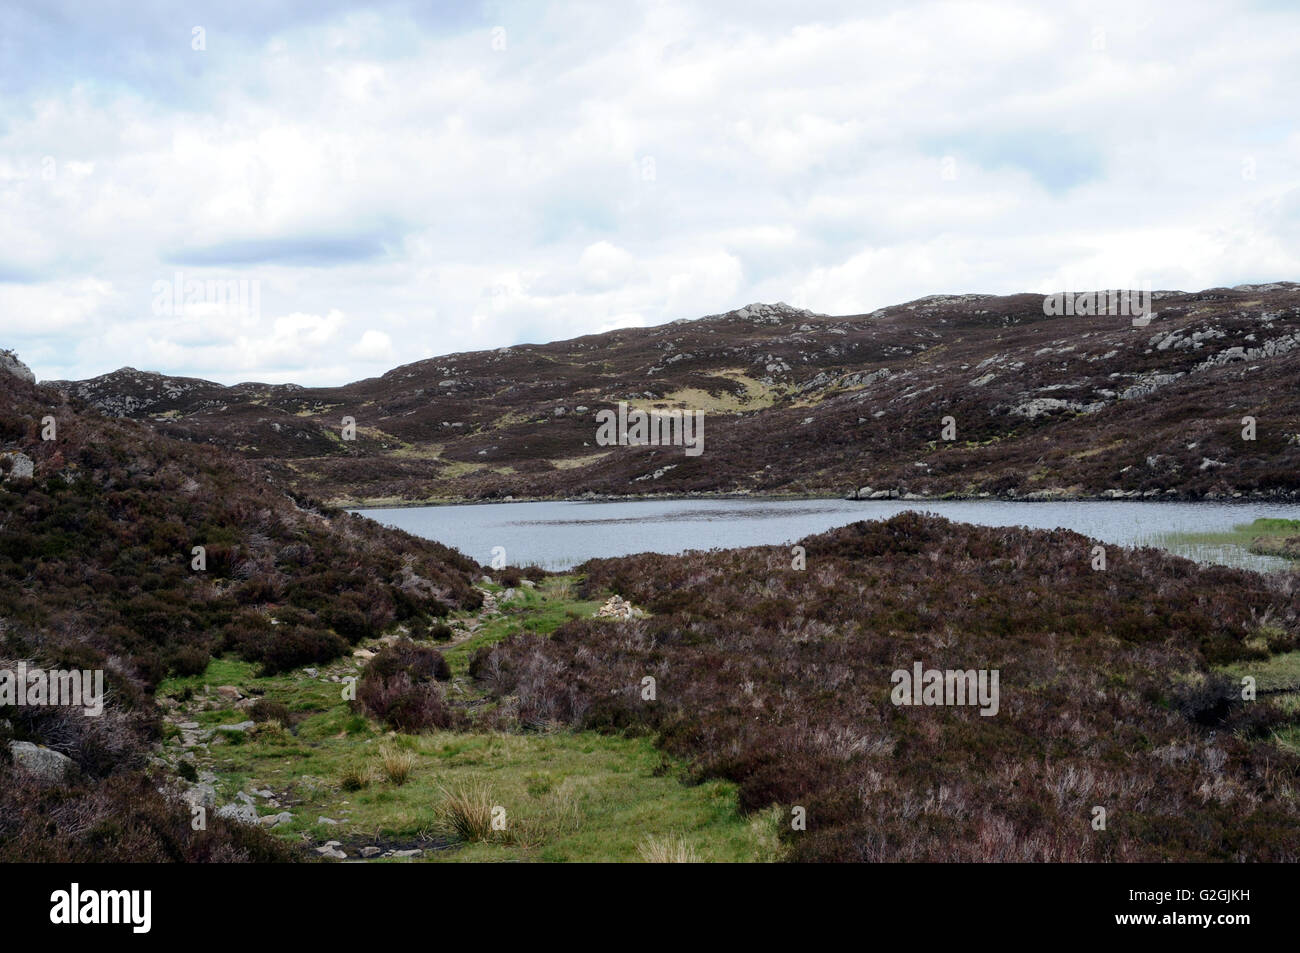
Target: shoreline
x,y
386,503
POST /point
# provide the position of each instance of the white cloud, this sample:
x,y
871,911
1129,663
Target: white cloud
x,y
374,346
398,188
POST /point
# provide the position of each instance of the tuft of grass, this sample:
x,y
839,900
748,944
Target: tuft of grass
x,y
666,850
356,777
466,812
397,764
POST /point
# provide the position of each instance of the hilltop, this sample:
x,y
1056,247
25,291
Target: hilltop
x,y
799,403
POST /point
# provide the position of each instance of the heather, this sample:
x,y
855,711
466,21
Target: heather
x,y
97,571
779,680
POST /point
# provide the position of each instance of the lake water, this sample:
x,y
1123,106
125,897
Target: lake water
x,y
558,535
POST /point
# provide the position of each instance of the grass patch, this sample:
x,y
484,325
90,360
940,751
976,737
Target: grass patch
x,y
558,796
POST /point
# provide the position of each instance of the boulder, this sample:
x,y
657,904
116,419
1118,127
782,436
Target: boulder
x,y
42,763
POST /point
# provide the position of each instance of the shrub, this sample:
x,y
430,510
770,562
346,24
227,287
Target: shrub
x,y
290,647
405,705
189,660
264,709
420,662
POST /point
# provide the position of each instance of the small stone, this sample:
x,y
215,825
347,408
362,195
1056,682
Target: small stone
x,y
369,851
243,813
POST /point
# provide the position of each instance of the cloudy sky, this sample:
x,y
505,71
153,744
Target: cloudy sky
x,y
384,184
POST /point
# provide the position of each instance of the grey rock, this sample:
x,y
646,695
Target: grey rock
x,y
21,466
42,763
242,726
9,362
243,813
200,795
370,851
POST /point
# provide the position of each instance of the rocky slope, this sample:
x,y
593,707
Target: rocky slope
x,y
796,402
99,571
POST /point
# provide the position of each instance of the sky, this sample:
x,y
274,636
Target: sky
x,y
315,191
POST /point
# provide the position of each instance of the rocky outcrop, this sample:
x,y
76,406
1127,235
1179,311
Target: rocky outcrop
x,y
10,364
15,465
616,607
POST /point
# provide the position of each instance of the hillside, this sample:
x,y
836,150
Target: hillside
x,y
799,403
98,529
1118,690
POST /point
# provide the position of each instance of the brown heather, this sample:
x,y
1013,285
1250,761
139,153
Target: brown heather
x,y
95,573
780,680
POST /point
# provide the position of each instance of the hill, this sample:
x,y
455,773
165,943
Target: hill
x,y
799,403
99,571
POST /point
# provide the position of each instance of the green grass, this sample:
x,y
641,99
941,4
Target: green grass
x,y
1242,534
567,796
541,610
1280,674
